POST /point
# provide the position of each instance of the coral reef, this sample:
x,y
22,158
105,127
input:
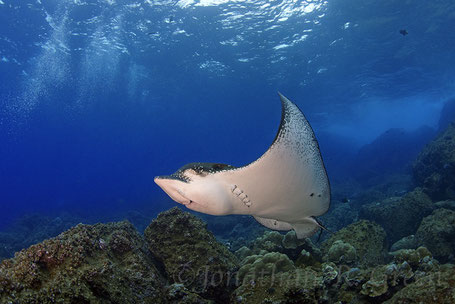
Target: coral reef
x,y
271,263
300,285
434,168
103,263
299,251
179,294
435,287
399,216
180,261
437,233
368,239
341,253
191,255
329,283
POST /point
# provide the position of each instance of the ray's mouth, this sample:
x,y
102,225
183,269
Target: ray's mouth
x,y
173,190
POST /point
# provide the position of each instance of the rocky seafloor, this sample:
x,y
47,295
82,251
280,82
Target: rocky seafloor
x,y
398,249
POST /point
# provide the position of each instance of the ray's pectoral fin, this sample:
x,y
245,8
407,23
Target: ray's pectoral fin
x,y
306,228
273,224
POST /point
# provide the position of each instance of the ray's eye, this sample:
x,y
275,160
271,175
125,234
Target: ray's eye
x,y
191,201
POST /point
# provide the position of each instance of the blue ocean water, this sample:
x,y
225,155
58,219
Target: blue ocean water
x,y
98,97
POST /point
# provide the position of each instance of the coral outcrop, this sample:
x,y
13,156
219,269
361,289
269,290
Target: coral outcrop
x,y
103,263
368,239
191,255
341,253
299,285
434,287
269,264
400,216
299,251
434,168
437,233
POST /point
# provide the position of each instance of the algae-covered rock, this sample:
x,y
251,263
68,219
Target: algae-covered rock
x,y
270,241
243,252
368,239
191,255
341,253
179,294
412,256
269,264
408,242
437,233
294,286
447,204
293,247
273,241
434,287
399,217
434,168
103,263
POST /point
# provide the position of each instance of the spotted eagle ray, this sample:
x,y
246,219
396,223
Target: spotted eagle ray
x,y
286,188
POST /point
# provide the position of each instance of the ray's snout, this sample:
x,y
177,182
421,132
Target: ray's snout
x,y
171,187
159,181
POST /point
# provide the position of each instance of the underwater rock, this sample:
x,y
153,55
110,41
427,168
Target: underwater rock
x,y
434,287
270,241
298,250
437,233
329,283
243,252
368,239
179,294
414,257
399,217
295,286
408,242
434,168
191,255
341,253
293,247
448,204
102,263
269,264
